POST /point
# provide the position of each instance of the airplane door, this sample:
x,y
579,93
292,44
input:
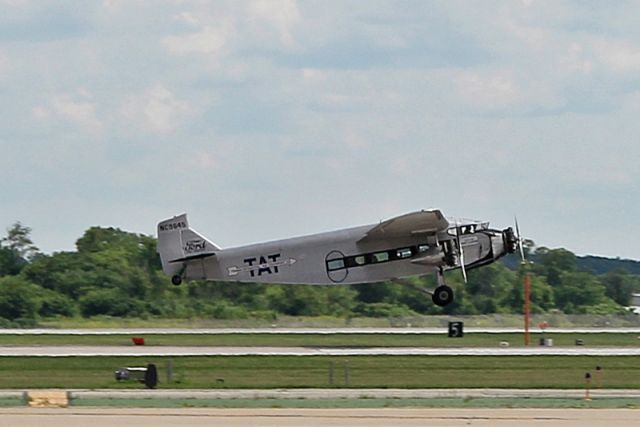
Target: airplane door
x,y
336,266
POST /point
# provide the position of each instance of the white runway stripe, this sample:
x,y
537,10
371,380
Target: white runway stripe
x,y
303,331
135,351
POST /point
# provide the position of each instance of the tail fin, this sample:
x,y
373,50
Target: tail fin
x,y
178,244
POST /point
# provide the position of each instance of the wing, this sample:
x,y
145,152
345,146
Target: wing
x,y
422,222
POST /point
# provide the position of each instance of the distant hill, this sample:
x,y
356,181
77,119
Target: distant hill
x,y
601,265
591,263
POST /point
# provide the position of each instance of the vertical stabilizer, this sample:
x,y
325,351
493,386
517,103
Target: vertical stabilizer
x,y
179,244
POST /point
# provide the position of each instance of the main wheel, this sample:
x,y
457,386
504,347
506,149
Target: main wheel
x,y
443,295
176,280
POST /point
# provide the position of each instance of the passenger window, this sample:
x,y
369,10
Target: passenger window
x,y
380,257
360,260
335,264
423,248
403,253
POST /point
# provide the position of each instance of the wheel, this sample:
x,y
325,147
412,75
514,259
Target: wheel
x,y
176,280
443,295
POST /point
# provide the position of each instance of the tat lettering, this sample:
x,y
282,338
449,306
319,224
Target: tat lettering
x,y
261,266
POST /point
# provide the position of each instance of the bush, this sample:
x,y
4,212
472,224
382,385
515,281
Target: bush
x,y
18,298
54,304
111,302
382,309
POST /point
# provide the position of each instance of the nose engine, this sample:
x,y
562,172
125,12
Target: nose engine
x,y
510,240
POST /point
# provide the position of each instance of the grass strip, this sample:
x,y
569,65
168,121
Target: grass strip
x,y
328,340
220,372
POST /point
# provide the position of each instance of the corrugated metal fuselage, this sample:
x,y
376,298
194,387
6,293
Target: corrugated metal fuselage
x,y
342,257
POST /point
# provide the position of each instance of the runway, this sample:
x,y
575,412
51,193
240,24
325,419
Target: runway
x,y
274,417
306,331
142,351
339,393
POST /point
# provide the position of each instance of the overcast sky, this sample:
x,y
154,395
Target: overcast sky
x,y
269,119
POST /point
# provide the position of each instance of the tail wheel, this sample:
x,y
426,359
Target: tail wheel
x,y
443,295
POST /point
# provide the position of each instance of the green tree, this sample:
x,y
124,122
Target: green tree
x,y
55,304
18,298
619,286
10,262
577,289
487,287
552,263
110,302
18,240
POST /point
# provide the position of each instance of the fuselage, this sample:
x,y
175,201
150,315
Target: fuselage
x,y
344,257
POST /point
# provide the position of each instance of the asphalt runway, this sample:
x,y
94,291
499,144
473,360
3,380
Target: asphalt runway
x,y
303,331
339,393
273,417
143,351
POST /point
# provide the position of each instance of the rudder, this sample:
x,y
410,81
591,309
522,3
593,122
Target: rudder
x,y
178,244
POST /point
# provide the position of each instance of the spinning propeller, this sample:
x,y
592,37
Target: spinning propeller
x,y
519,241
461,252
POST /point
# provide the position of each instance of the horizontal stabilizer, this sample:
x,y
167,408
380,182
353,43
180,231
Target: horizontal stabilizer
x,y
193,257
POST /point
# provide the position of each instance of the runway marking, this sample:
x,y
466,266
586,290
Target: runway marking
x,y
140,351
309,331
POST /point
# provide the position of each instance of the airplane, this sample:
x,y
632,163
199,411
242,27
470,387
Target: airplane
x,y
414,244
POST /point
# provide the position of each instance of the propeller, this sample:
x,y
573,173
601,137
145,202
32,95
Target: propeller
x,y
461,252
519,239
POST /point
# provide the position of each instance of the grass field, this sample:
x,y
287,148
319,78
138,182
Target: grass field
x,y
321,340
314,371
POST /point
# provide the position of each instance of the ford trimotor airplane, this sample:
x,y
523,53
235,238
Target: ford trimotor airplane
x,y
414,244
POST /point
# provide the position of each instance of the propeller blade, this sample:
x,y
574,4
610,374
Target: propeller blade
x,y
461,252
519,238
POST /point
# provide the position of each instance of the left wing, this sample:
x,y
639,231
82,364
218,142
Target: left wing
x,y
421,222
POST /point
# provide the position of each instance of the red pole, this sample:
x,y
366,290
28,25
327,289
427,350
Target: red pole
x,y
527,309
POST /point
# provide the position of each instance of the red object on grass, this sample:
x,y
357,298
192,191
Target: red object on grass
x,y
138,340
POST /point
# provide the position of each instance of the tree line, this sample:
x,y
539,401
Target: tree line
x,y
117,273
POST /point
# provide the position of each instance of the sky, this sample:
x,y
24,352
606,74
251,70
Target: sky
x,y
270,119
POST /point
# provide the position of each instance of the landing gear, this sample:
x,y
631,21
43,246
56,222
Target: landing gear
x,y
176,280
442,295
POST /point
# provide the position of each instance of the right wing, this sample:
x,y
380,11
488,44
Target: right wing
x,y
421,222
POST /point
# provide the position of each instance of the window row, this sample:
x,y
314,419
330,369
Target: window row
x,y
375,257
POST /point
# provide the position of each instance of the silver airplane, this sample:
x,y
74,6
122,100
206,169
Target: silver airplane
x,y
415,244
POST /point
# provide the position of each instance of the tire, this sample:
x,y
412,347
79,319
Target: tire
x,y
151,376
442,296
176,280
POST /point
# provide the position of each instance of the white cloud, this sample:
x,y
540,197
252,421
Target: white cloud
x,y
187,18
282,16
5,64
208,40
617,55
13,3
77,108
490,91
158,110
314,94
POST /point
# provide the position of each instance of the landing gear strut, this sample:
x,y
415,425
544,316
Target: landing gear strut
x,y
443,294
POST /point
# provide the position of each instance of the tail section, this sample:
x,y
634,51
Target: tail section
x,y
179,244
